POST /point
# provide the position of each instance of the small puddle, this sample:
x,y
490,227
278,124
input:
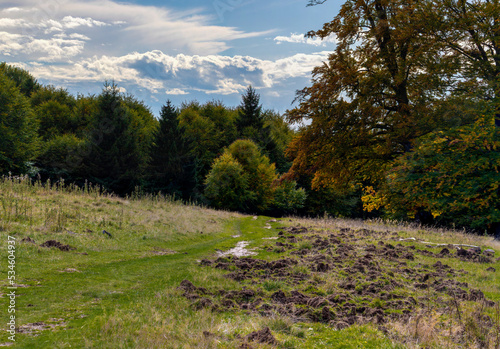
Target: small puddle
x,y
239,251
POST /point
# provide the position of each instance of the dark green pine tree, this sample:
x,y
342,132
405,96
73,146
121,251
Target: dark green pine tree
x,y
251,125
250,115
169,168
115,159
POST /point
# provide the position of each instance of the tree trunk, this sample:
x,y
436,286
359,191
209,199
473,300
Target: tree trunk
x,y
494,230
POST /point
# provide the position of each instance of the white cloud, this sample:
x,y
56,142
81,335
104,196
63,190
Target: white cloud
x,y
302,39
176,91
12,9
74,22
10,43
118,24
67,22
73,36
11,22
45,40
298,65
53,49
177,75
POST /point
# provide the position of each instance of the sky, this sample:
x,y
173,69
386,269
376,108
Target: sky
x,y
179,50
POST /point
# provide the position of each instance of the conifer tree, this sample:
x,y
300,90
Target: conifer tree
x,y
114,159
250,114
252,125
169,155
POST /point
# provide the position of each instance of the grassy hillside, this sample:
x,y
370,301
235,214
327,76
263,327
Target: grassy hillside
x,y
162,280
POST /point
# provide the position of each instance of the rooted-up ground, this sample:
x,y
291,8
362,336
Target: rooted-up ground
x,y
349,277
159,280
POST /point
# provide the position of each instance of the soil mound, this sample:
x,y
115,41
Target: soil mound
x,y
262,336
57,244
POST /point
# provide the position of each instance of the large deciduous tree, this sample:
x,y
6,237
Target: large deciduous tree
x,y
373,96
469,30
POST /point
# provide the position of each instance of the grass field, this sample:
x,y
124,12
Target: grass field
x,y
327,284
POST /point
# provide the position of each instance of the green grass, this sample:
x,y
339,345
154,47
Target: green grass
x,y
121,292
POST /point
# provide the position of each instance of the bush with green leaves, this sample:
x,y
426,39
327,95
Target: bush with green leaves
x,y
241,178
60,157
227,184
261,173
288,198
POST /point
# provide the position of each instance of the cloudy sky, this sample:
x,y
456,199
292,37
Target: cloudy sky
x,y
159,50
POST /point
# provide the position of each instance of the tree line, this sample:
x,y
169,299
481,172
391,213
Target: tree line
x,y
402,122
227,157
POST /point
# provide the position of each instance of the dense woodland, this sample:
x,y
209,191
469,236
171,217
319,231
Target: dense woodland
x,y
402,122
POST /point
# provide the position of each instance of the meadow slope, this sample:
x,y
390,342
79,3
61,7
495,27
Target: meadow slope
x,y
97,271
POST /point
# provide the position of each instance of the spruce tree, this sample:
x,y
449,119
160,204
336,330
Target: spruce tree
x,y
250,115
252,125
114,158
168,168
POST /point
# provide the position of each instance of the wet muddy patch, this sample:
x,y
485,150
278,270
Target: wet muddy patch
x,y
239,251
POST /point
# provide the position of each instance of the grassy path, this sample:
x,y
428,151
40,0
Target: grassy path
x,y
106,281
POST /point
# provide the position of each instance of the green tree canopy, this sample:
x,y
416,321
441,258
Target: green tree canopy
x,y
207,129
170,160
26,83
18,128
372,98
453,174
